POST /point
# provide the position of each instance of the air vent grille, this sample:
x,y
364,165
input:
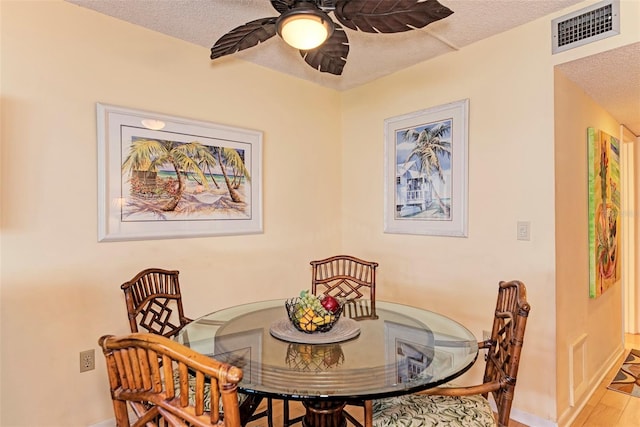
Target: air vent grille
x,y
586,25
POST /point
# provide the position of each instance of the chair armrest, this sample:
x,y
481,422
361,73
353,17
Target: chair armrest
x,y
464,391
485,344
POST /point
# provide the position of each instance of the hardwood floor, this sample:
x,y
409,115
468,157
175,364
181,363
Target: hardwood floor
x,y
295,410
606,408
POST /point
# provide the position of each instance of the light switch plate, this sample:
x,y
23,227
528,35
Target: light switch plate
x,y
524,230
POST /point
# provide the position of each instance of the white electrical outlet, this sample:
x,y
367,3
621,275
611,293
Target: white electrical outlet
x,y
486,335
87,360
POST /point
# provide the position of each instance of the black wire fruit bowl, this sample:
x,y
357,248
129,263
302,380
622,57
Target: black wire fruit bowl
x,y
311,317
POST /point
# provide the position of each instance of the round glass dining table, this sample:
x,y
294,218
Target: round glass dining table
x,y
398,350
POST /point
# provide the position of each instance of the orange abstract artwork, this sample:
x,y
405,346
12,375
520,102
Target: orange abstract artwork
x,y
604,212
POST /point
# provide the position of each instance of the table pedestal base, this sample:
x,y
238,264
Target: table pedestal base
x,y
324,414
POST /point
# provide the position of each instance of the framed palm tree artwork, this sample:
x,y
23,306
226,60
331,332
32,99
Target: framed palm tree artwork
x,y
163,177
426,171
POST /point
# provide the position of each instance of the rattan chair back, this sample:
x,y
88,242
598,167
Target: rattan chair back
x,y
154,302
348,278
501,369
354,280
152,374
505,345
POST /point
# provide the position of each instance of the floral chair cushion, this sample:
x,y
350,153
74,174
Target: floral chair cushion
x,y
416,410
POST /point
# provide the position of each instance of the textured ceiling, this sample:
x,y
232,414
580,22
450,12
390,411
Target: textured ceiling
x,y
372,56
612,78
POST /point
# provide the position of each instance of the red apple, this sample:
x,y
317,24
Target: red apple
x,y
330,304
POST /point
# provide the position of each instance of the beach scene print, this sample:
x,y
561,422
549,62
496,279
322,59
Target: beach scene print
x,y
423,172
165,180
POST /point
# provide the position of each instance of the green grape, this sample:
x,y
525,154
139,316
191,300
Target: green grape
x,y
307,300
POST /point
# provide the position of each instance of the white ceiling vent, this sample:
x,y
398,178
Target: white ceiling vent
x,y
587,25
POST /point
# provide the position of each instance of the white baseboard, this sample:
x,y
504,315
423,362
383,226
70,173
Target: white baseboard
x,y
523,417
570,414
530,419
106,423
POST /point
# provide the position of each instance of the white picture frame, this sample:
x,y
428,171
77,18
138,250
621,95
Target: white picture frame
x,y
426,171
168,182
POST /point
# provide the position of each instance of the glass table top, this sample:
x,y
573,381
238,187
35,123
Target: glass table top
x,y
405,349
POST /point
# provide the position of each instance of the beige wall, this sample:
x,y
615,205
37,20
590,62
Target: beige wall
x,y
323,181
589,331
589,337
509,81
510,91
60,287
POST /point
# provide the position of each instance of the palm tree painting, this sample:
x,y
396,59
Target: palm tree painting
x,y
423,171
604,212
170,180
426,171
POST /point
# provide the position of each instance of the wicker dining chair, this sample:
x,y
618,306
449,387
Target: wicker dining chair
x,y
348,278
469,406
163,394
154,302
352,280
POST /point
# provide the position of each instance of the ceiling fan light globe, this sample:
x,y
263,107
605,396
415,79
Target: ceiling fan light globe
x,y
304,29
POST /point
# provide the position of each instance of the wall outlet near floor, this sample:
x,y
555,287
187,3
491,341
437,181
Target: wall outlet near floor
x,y
486,335
87,360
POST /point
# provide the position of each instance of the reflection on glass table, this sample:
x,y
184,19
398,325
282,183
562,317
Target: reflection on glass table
x,y
403,350
314,357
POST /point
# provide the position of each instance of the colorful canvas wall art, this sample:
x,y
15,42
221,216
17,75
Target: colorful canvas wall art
x,y
604,211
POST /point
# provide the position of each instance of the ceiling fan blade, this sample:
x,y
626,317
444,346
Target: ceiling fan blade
x,y
244,37
282,5
383,16
330,56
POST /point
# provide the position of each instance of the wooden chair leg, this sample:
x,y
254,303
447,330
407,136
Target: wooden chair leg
x,y
248,409
368,413
121,413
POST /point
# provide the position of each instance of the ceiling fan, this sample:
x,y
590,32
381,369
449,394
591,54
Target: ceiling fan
x,y
323,43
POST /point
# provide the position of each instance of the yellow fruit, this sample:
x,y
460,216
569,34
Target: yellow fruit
x,y
318,320
308,313
307,320
308,326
